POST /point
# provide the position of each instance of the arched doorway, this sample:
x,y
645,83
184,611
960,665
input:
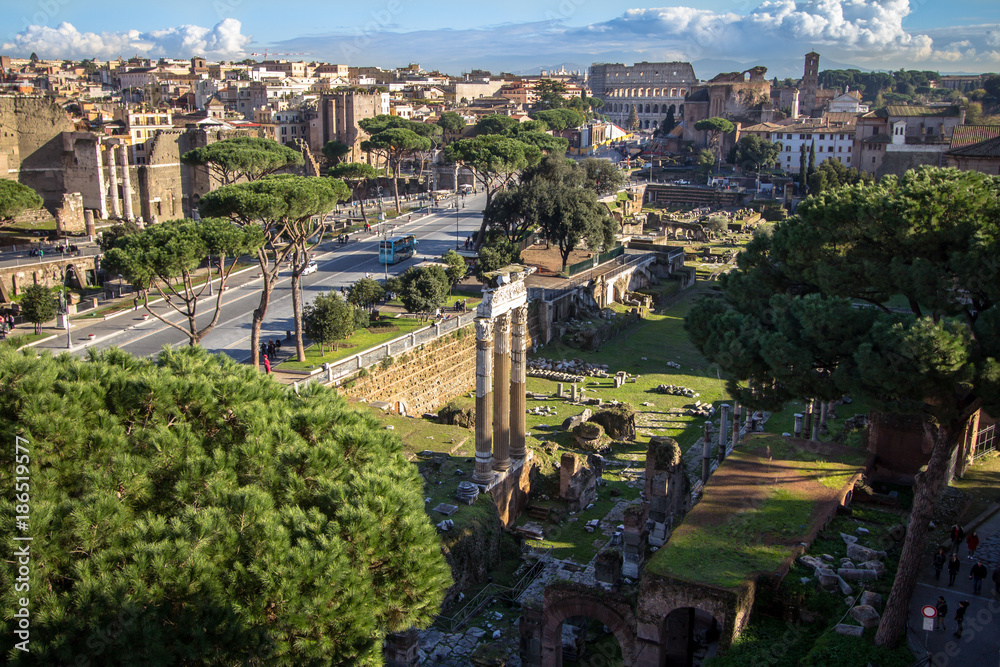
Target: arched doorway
x,y
689,635
577,623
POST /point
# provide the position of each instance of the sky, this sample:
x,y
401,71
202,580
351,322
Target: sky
x,y
520,35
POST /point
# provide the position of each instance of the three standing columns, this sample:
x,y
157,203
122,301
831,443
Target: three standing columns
x,y
500,400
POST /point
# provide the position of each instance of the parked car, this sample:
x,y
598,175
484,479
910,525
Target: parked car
x,y
311,267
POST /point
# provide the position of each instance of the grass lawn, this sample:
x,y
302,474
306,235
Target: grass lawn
x,y
756,507
20,338
359,341
772,641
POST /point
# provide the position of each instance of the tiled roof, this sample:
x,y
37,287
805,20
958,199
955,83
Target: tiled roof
x,y
988,148
966,135
917,110
877,139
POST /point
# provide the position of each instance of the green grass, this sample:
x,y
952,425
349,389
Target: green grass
x,y
20,339
728,554
982,480
106,310
359,341
23,227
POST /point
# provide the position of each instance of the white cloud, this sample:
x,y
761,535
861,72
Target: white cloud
x,y
225,40
993,37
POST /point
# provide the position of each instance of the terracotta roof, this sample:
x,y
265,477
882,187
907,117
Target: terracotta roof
x,y
904,111
877,139
848,117
966,135
988,148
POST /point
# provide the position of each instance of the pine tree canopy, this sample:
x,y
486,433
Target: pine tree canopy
x,y
190,511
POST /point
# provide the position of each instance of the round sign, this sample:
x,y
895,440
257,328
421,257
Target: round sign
x,y
929,611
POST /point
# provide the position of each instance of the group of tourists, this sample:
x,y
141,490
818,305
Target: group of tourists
x,y
977,574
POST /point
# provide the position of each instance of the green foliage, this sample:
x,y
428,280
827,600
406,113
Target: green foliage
x,y
457,267
706,160
832,174
871,84
496,254
632,123
451,122
383,122
197,512
38,305
423,290
365,293
243,158
571,217
334,151
714,125
495,124
602,176
16,198
753,152
165,257
561,119
328,319
113,234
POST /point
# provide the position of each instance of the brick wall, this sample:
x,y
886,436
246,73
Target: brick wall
x,y
426,378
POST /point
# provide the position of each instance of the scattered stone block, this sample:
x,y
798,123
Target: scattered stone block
x,y
446,509
849,630
866,616
848,539
857,575
860,554
871,599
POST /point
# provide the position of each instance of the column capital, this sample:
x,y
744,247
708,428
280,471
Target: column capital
x,y
484,328
519,315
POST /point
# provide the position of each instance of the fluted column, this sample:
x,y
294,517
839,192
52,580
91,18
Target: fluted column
x,y
484,401
501,392
103,206
518,370
126,182
116,209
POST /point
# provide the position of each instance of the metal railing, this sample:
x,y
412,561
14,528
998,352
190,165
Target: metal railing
x,y
341,369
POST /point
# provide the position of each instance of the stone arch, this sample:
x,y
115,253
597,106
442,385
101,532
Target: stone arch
x,y
656,108
647,109
561,605
645,125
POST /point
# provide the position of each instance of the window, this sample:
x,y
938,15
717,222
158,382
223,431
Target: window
x,y
848,159
788,149
284,130
788,136
840,149
873,159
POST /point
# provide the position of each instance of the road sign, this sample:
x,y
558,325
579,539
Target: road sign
x,y
929,611
928,624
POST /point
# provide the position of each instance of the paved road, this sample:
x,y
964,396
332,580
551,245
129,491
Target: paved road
x,y
979,645
338,266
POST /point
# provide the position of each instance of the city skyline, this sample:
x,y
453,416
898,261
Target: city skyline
x,y
452,37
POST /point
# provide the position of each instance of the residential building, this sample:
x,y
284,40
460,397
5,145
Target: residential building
x,y
282,125
831,139
896,138
337,117
142,127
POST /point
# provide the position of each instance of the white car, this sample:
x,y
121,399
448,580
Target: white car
x,y
311,267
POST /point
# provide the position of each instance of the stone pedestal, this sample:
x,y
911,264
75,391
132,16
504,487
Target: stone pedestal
x,y
501,393
401,648
518,379
807,424
577,482
484,401
634,541
90,229
814,431
797,429
706,456
736,424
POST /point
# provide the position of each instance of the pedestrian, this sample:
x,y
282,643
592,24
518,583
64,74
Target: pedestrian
x,y
996,580
939,561
953,567
960,616
263,350
942,613
135,303
277,345
977,574
270,349
957,535
972,541
267,365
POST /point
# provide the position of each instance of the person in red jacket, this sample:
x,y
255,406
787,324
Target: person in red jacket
x,y
957,535
972,541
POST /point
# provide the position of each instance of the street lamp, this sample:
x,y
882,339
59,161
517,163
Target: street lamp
x,y
456,225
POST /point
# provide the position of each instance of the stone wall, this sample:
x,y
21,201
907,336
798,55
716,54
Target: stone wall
x,y
423,379
30,141
14,279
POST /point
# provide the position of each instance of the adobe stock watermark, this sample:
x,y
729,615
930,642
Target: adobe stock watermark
x,y
22,543
45,11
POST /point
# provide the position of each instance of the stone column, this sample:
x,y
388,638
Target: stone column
x,y
102,204
518,378
807,424
736,424
814,431
88,222
706,456
797,429
126,182
501,393
116,210
723,440
484,401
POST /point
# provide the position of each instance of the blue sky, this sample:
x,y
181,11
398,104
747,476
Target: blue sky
x,y
520,35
